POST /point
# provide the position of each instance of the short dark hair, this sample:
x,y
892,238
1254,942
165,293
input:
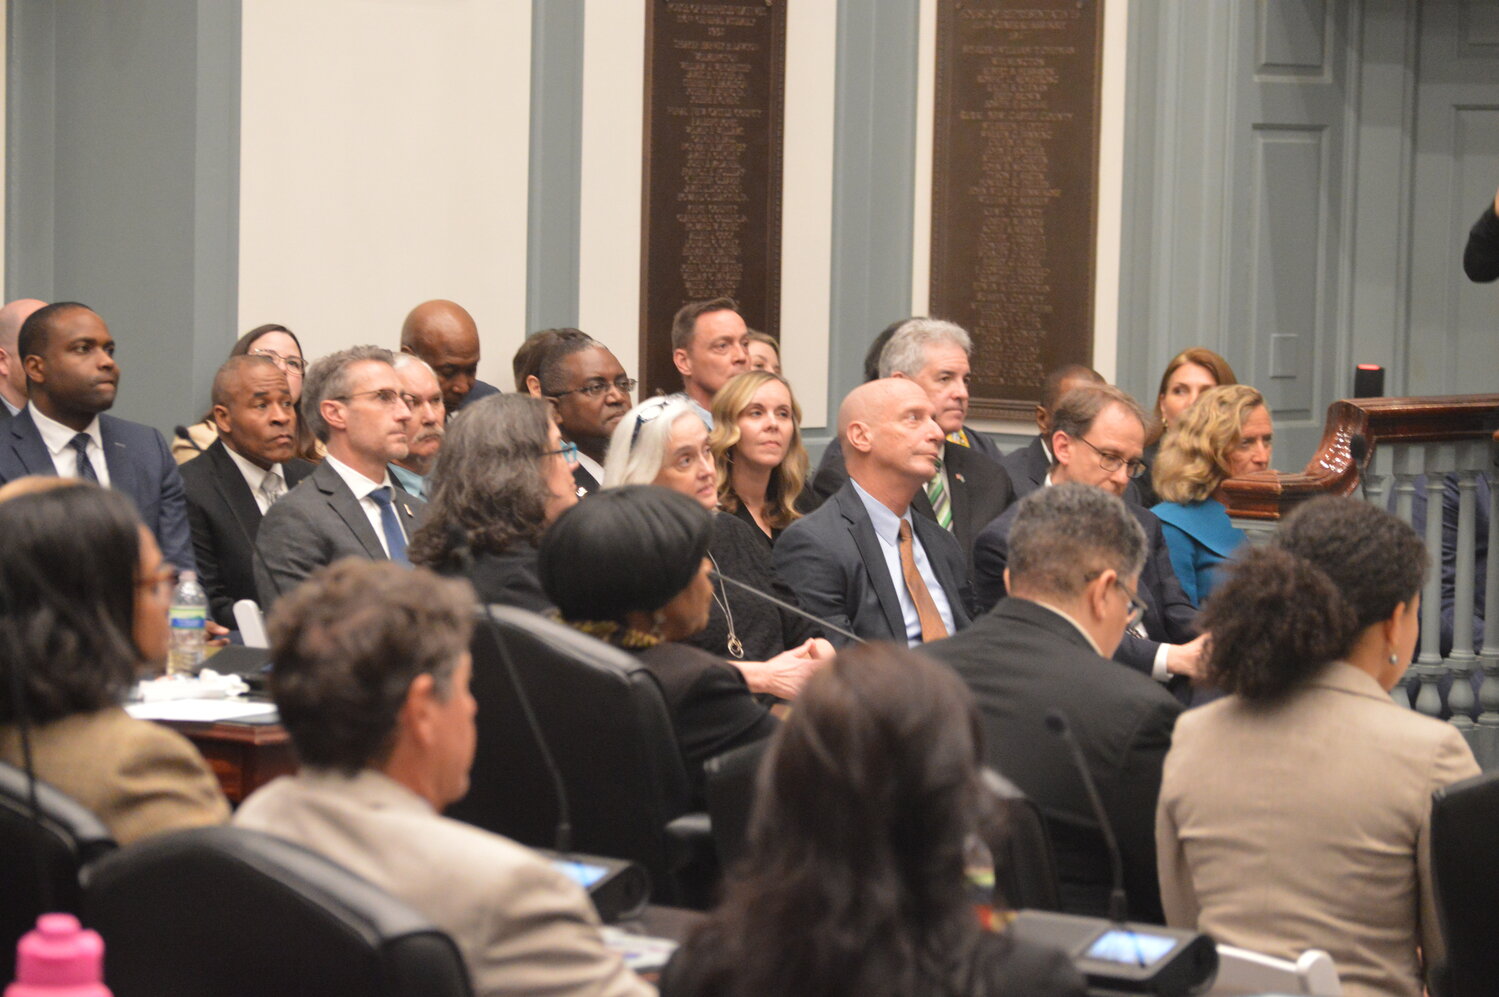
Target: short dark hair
x,y
528,358
872,356
684,323
549,367
328,377
1335,567
1064,533
36,331
348,643
626,549
68,587
1051,388
487,486
1076,411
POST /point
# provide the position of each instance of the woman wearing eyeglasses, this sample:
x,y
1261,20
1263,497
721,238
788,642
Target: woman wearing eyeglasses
x,y
278,344
1225,434
757,449
662,441
86,595
502,477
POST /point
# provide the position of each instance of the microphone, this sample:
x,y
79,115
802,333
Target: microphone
x,y
788,607
182,432
462,557
1056,722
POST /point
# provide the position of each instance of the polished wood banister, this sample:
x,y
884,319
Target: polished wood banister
x,y
1333,470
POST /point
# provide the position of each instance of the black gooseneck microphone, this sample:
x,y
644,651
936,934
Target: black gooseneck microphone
x,y
788,607
182,432
1056,722
463,555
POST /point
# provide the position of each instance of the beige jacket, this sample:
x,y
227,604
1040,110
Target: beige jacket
x,y
1305,825
138,777
522,926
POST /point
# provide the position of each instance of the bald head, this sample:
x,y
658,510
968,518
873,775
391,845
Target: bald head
x,y
444,334
12,373
866,402
891,440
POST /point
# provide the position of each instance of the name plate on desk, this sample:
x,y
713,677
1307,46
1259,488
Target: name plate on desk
x,y
715,94
1014,189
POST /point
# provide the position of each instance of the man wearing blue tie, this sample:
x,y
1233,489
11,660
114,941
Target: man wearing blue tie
x,y
348,507
71,380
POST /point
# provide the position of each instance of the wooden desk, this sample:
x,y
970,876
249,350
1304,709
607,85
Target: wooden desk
x,y
244,756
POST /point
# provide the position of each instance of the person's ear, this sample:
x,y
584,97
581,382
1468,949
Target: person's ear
x,y
334,413
1061,447
36,368
1043,419
5,363
860,436
533,386
222,420
1096,595
1007,579
418,714
682,363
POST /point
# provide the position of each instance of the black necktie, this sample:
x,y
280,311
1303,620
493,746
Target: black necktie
x,y
85,466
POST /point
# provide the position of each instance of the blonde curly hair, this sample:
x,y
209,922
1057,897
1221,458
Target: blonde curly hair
x,y
787,480
1193,460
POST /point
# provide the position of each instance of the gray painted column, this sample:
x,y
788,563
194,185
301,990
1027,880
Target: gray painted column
x,y
122,182
874,174
556,171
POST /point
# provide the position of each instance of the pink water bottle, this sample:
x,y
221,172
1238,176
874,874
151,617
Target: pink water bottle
x,y
59,959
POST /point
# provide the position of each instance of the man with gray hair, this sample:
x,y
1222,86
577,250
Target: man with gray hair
x,y
1097,436
1075,560
348,507
422,393
968,489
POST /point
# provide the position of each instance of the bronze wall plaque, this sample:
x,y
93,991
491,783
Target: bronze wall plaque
x,y
1014,200
715,75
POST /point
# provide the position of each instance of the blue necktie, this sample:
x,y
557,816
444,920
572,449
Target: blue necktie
x,y
85,466
395,540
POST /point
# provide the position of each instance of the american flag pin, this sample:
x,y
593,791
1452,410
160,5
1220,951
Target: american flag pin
x,y
961,478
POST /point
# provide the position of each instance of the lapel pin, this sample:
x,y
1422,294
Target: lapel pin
x,y
961,479
407,508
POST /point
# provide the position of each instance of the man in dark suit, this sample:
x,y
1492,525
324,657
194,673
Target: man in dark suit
x,y
589,392
968,489
862,560
445,335
348,506
1097,436
1075,559
72,379
240,476
1028,465
12,371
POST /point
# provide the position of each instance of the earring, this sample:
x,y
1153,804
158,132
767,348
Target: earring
x,y
1394,659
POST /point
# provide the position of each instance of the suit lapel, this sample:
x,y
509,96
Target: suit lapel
x,y
122,470
237,495
957,490
873,556
928,532
26,441
347,507
409,507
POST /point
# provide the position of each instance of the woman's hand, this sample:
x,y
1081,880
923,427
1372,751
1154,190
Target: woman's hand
x,y
784,675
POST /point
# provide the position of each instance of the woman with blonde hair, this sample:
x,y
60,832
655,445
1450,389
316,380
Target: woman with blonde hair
x,y
1225,434
1191,372
757,448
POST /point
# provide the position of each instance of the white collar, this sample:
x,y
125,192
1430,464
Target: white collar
x,y
1070,619
58,437
357,482
255,475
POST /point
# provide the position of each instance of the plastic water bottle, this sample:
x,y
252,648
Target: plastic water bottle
x,y
189,618
59,959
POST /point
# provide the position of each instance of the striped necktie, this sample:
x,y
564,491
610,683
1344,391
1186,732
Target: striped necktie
x,y
936,491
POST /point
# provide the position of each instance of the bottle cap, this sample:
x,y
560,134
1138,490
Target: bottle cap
x,y
59,953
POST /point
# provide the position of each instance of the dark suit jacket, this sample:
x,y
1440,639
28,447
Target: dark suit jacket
x,y
224,517
833,562
587,483
981,490
316,523
479,390
1168,618
139,463
1022,660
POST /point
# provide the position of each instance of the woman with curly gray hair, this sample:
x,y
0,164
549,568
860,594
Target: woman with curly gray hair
x,y
502,477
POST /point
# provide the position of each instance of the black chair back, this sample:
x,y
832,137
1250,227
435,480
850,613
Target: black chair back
x,y
731,779
605,720
1465,874
227,912
68,838
1025,866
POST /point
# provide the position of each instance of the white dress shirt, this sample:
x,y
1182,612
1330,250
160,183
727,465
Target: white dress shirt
x,y
58,439
362,487
887,528
255,477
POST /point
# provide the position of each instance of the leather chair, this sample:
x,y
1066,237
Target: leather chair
x,y
227,912
1465,875
731,781
53,851
605,720
1014,829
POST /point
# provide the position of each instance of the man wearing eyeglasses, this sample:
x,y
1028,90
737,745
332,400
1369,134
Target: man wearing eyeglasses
x,y
589,393
355,404
1076,555
1097,438
429,417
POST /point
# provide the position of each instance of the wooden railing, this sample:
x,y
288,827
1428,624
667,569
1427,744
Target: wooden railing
x,y
1408,455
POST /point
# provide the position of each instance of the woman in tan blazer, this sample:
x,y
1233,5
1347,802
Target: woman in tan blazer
x,y
1295,812
86,595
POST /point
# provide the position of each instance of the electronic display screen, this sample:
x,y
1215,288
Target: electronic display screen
x,y
1131,948
582,873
